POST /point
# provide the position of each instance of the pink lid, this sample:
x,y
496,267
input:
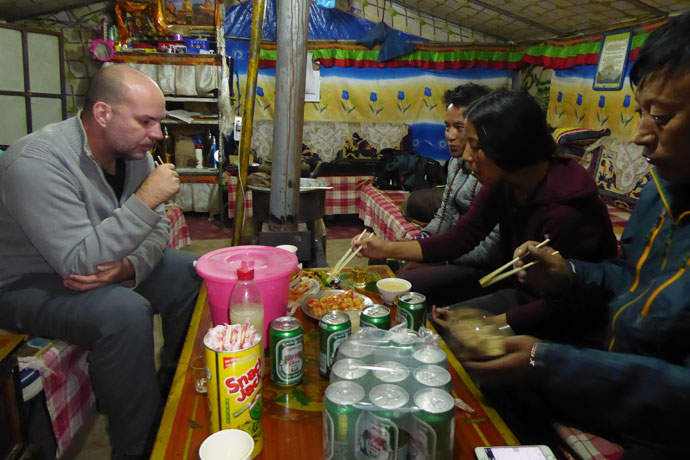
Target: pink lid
x,y
269,263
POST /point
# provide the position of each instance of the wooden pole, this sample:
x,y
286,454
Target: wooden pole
x,y
288,120
248,119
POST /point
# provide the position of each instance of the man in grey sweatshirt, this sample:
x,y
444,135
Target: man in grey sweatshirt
x,y
84,239
454,280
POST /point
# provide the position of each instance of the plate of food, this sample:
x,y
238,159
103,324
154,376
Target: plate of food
x,y
334,299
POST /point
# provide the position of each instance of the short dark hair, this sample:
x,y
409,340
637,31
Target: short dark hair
x,y
666,50
464,95
511,128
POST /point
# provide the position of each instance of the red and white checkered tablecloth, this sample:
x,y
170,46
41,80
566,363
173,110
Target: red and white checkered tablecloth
x,y
248,211
69,397
343,199
179,232
588,446
380,210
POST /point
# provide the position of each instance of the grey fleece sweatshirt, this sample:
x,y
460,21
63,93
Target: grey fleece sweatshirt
x,y
59,215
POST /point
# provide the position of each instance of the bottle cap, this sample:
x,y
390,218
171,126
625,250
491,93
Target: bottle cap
x,y
245,274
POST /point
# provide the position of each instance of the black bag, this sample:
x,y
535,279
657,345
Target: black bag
x,y
429,173
407,170
386,178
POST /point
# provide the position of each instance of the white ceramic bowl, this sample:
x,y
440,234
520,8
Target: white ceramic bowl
x,y
390,288
227,445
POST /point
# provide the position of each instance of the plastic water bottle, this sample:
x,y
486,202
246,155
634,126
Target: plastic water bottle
x,y
245,300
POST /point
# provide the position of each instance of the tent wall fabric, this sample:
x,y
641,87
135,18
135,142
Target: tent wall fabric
x,y
573,102
355,87
376,95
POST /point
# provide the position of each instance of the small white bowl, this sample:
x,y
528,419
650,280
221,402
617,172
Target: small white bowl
x,y
227,445
390,288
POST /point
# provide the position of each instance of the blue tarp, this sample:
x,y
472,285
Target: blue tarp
x,y
324,23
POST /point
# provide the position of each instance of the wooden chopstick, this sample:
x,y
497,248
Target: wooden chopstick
x,y
505,275
347,261
348,252
339,265
160,160
488,277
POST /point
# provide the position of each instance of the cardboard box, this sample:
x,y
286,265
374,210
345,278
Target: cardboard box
x,y
184,153
196,45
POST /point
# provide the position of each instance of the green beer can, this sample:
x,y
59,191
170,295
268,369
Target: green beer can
x,y
376,316
412,310
356,349
379,432
286,342
430,354
432,437
432,376
340,414
352,370
334,327
391,372
403,344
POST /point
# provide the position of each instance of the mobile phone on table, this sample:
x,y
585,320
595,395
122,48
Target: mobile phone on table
x,y
514,453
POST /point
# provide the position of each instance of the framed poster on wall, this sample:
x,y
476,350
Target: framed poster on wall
x,y
613,58
191,17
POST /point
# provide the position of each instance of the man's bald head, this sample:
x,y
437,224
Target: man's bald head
x,y
110,85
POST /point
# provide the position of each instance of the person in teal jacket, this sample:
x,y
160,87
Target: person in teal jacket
x,y
636,390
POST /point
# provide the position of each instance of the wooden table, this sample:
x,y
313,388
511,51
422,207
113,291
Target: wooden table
x,y
292,418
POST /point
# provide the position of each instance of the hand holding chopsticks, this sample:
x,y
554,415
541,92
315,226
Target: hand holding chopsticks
x,y
497,275
346,258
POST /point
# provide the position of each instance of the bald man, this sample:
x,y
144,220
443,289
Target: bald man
x,y
84,236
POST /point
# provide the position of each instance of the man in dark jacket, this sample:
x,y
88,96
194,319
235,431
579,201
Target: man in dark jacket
x,y
637,392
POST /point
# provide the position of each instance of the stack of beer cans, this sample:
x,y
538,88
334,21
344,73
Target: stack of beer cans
x,y
389,397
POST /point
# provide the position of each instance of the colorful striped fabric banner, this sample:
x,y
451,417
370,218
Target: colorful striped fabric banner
x,y
554,54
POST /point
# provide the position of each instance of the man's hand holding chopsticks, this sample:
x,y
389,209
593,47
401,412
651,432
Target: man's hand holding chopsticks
x,y
551,274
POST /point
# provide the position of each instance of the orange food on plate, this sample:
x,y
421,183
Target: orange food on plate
x,y
344,301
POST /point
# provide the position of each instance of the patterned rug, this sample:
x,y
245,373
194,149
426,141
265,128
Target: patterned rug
x,y
337,227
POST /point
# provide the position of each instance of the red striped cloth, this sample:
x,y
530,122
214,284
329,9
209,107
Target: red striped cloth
x,y
232,185
380,210
588,446
67,390
342,199
179,232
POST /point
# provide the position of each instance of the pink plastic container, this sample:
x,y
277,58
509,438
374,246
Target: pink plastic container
x,y
272,270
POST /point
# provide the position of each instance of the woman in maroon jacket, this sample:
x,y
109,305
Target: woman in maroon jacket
x,y
531,194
